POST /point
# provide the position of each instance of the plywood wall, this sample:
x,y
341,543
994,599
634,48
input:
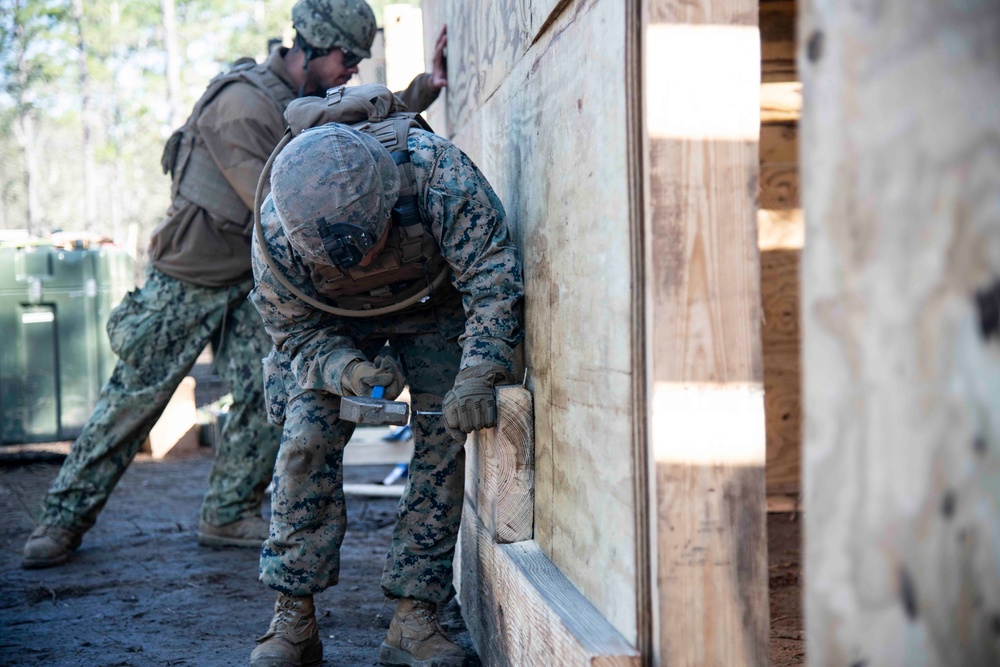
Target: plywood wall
x,y
901,316
538,98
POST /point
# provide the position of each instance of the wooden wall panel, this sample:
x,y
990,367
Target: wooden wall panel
x,y
550,131
901,315
780,238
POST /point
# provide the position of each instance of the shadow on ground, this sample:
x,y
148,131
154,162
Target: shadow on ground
x,y
141,592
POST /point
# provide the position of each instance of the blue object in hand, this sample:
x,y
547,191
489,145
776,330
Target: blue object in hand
x,y
378,392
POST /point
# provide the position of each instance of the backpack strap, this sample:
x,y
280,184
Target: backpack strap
x,y
393,133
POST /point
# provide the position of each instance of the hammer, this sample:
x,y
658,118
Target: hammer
x,y
376,410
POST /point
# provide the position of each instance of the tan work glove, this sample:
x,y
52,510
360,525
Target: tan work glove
x,y
360,377
472,404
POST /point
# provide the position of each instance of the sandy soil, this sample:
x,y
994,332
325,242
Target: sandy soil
x,y
141,592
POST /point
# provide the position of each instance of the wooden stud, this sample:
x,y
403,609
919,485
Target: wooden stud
x,y
708,506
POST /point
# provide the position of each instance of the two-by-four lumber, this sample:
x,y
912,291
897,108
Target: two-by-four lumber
x,y
707,497
901,319
505,459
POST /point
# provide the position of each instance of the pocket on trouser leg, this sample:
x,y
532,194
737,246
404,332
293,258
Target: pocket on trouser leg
x,y
275,397
132,328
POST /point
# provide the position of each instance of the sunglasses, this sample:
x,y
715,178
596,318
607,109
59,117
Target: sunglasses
x,y
350,58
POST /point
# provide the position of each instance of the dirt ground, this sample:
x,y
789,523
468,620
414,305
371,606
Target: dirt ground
x,y
141,592
784,535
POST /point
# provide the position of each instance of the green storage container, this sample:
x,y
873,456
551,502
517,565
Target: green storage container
x,y
54,305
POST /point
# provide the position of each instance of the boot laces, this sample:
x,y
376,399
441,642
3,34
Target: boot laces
x,y
285,615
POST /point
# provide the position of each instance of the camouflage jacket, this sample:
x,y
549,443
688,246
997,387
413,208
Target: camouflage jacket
x,y
465,217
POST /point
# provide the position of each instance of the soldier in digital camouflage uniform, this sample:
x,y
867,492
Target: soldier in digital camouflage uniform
x,y
195,292
333,235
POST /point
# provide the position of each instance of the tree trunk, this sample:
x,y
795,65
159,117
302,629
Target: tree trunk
x,y
86,119
173,64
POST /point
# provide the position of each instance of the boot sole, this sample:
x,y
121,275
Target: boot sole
x,y
390,655
217,541
40,563
311,657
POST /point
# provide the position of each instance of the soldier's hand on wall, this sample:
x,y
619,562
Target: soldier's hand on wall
x,y
472,404
360,377
439,65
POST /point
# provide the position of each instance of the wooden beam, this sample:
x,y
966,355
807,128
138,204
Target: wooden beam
x,y
526,612
505,455
708,507
901,316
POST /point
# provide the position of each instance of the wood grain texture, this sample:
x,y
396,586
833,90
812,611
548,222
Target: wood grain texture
x,y
708,503
780,236
777,40
505,463
552,138
526,612
901,315
781,338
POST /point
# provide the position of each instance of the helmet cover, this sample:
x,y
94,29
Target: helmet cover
x,y
333,189
326,24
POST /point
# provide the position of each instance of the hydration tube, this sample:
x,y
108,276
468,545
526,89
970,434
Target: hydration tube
x,y
258,227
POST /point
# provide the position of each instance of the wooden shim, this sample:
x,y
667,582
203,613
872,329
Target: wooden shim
x,y
506,468
777,40
526,612
901,356
708,507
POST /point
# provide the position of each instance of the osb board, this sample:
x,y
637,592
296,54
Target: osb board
x,y
552,139
901,332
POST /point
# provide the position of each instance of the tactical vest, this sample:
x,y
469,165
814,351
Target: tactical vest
x,y
411,260
195,175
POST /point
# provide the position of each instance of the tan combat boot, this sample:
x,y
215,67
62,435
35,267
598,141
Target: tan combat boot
x,y
293,638
48,546
249,531
417,639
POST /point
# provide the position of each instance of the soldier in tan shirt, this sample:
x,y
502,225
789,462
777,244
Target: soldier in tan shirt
x,y
195,292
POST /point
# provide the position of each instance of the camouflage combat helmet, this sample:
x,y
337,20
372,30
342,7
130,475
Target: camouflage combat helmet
x,y
333,189
328,24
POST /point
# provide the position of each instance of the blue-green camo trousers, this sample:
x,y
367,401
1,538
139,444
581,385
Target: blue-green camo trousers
x,y
308,512
158,331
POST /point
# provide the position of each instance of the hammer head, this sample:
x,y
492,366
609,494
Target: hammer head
x,y
374,411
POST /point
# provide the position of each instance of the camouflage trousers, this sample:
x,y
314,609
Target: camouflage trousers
x,y
308,512
158,331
